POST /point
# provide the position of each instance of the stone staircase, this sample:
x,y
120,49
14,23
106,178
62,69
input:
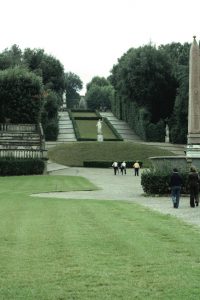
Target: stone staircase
x,y
122,127
66,131
128,135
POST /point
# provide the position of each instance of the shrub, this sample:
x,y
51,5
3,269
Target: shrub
x,y
12,166
106,164
20,96
51,130
157,182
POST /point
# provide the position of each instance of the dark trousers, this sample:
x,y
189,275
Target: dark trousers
x,y
136,171
176,195
123,170
115,170
194,196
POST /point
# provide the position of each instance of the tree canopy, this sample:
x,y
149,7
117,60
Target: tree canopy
x,y
73,85
100,93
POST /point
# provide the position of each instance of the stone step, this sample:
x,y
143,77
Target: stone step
x,y
122,127
66,127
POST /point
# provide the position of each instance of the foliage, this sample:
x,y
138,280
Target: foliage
x,y
144,75
100,94
13,167
155,80
72,85
51,129
156,132
178,54
10,58
179,118
48,67
99,81
50,115
20,96
157,182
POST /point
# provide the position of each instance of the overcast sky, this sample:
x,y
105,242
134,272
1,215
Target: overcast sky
x,y
88,36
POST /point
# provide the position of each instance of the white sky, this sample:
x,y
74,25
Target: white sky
x,y
88,36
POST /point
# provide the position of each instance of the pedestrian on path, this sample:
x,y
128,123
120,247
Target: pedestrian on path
x,y
136,167
176,182
115,167
123,168
193,185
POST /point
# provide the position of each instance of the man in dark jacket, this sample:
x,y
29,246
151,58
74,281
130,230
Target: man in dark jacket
x,y
193,185
175,183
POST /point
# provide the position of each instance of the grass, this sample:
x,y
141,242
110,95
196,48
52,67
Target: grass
x,y
83,114
56,249
88,129
73,154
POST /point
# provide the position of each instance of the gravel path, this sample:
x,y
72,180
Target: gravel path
x,y
125,188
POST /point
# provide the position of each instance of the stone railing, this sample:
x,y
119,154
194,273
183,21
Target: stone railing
x,y
22,141
18,127
23,153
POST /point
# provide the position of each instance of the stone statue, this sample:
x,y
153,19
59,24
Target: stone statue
x,y
166,133
99,126
167,130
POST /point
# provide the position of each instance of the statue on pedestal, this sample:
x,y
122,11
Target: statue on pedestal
x,y
99,131
99,126
167,134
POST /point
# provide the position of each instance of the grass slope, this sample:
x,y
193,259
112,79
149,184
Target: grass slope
x,y
74,153
88,129
56,249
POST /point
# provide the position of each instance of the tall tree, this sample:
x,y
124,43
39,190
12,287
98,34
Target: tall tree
x,y
73,85
46,66
144,75
11,57
100,93
21,96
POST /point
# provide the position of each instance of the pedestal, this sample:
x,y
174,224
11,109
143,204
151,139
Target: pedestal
x,y
193,151
100,137
166,139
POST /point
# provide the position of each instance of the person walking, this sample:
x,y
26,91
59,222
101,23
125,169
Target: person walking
x,y
136,166
115,167
123,167
193,185
176,182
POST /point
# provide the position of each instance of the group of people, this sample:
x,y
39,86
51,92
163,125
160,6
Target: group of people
x,y
121,168
193,184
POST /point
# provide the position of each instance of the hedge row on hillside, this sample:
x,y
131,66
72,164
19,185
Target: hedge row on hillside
x,y
107,164
11,166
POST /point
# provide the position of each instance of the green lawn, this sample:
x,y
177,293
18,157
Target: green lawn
x,y
82,249
74,153
83,114
88,129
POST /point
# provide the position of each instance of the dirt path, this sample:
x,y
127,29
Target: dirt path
x,y
125,188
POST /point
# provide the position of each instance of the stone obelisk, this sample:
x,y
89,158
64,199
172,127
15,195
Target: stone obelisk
x,y
193,138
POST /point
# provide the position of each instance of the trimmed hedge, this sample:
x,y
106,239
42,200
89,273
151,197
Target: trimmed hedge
x,y
107,164
12,166
157,182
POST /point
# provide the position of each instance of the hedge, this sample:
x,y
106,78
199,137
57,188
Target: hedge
x,y
12,166
106,164
157,182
